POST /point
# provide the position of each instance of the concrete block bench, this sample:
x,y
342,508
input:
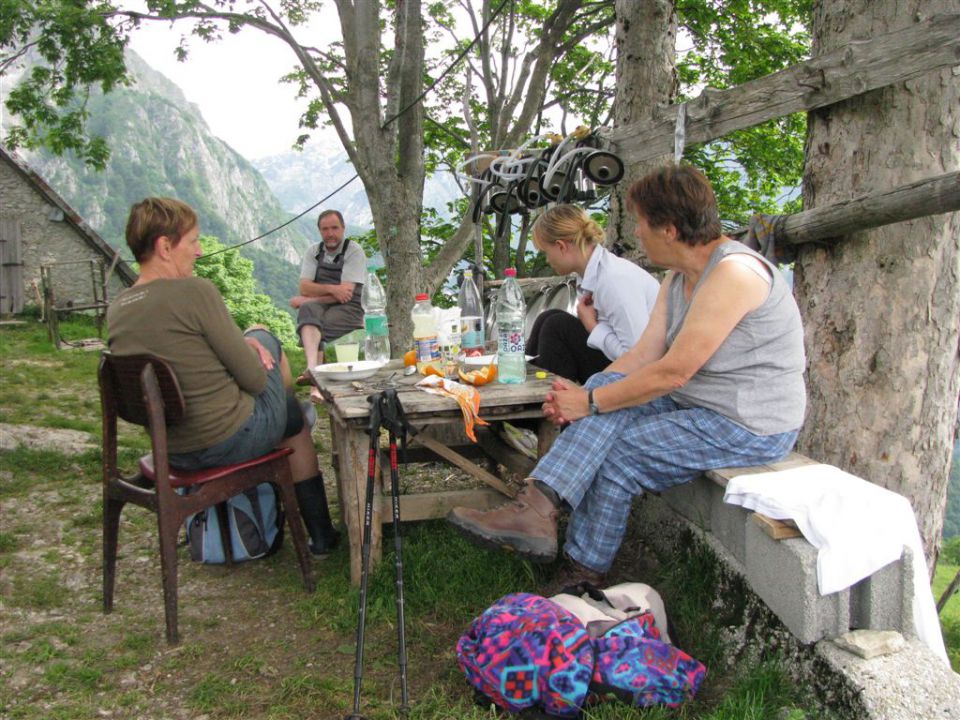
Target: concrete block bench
x,y
782,570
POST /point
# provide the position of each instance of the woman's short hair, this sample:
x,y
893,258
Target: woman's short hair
x,y
567,222
679,195
156,217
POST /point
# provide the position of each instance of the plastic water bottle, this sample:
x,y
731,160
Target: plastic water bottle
x,y
425,340
376,344
511,309
471,317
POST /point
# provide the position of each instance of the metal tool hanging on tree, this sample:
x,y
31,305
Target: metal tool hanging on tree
x,y
568,170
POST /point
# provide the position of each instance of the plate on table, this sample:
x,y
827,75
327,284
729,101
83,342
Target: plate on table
x,y
487,359
346,371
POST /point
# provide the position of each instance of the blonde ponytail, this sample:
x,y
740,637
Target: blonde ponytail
x,y
570,223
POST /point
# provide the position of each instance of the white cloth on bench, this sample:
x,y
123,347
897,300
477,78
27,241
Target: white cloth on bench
x,y
856,526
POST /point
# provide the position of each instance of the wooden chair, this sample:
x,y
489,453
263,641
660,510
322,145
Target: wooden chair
x,y
143,389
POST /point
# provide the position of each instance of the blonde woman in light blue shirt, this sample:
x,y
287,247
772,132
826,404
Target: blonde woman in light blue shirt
x,y
616,297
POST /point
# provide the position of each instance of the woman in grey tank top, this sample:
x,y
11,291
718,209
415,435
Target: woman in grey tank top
x,y
716,380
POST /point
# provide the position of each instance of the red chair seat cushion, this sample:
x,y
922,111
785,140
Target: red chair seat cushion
x,y
185,478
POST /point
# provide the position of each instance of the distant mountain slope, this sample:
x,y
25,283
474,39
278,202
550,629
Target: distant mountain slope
x,y
299,179
161,145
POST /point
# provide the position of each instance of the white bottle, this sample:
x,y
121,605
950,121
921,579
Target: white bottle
x,y
471,317
376,344
511,350
425,333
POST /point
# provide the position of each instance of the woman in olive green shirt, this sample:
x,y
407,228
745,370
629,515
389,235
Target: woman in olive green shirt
x,y
237,387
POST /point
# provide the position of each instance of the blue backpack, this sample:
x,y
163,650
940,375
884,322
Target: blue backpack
x,y
255,521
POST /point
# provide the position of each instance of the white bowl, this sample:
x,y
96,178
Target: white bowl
x,y
345,371
480,359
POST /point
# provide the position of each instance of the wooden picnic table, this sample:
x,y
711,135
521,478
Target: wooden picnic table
x,y
349,420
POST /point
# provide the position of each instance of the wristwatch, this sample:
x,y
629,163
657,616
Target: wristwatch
x,y
594,408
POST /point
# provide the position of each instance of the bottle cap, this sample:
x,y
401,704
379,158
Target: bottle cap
x,y
421,296
510,272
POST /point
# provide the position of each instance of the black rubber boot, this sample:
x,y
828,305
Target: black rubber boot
x,y
312,498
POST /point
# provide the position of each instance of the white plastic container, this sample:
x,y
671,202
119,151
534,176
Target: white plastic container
x,y
425,333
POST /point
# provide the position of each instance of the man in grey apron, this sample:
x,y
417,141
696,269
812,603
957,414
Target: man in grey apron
x,y
331,280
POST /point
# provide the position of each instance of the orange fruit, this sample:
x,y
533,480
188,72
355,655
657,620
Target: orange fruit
x,y
409,358
431,370
481,376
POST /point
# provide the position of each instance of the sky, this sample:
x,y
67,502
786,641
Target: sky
x,y
235,81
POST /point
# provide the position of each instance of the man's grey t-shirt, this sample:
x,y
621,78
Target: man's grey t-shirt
x,y
354,262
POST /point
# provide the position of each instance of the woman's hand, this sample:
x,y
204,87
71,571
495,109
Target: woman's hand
x,y
565,403
266,359
587,312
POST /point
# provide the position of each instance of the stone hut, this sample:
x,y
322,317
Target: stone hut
x,y
39,229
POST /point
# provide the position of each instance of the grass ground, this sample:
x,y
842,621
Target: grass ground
x,y
254,644
950,615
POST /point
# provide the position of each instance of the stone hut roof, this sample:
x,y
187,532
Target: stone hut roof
x,y
87,233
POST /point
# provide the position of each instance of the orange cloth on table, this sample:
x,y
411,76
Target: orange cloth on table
x,y
468,398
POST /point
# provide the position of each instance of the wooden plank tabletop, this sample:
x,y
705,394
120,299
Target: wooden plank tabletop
x,y
349,399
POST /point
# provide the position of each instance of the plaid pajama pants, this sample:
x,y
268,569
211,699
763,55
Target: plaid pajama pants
x,y
600,462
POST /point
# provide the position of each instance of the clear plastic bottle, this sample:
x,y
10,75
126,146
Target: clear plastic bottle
x,y
511,309
376,344
471,317
425,333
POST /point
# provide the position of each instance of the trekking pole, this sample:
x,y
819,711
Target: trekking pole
x,y
396,423
375,401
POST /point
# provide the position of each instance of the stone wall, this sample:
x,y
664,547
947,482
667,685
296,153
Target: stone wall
x,y
48,236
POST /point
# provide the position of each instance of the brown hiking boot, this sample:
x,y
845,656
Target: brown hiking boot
x,y
571,575
526,526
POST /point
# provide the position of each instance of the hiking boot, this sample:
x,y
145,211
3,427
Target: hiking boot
x,y
571,576
526,526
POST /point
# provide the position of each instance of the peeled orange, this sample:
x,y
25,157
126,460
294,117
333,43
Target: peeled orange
x,y
481,376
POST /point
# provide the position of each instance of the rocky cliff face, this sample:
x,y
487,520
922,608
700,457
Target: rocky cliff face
x,y
160,145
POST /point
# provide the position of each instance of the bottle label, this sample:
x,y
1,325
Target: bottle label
x,y
510,340
471,330
375,325
428,349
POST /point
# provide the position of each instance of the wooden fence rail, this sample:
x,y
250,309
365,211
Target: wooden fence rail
x,y
930,196
818,82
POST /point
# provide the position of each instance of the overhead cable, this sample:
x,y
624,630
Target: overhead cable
x,y
407,108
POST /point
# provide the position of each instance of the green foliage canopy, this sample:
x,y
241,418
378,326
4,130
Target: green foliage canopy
x,y
730,42
233,276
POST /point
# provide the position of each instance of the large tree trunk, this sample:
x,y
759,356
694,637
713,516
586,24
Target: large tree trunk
x,y
882,307
646,78
388,152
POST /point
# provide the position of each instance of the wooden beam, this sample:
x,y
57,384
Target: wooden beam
x,y
932,196
776,529
461,462
428,506
818,82
940,194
